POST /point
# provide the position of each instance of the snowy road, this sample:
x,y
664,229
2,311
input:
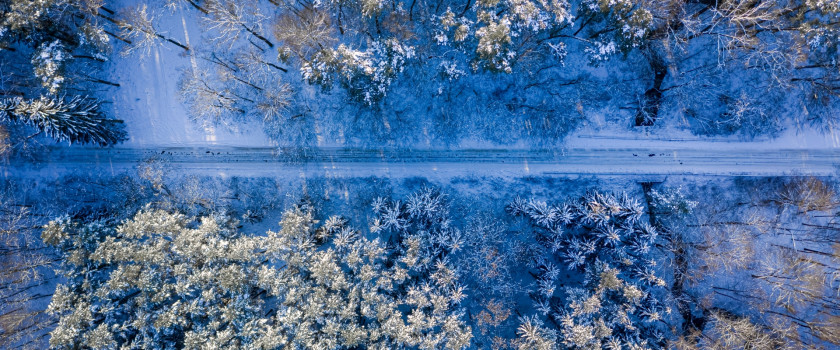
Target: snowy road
x,y
338,162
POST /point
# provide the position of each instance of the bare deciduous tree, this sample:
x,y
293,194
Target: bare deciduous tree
x,y
208,102
808,194
23,265
138,28
231,18
304,31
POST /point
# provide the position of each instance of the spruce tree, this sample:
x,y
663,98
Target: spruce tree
x,y
77,120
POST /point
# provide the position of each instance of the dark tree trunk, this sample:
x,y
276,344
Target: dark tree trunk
x,y
649,108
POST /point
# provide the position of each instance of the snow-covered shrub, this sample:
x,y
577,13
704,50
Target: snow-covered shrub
x,y
747,114
371,8
450,71
458,28
492,318
672,200
617,297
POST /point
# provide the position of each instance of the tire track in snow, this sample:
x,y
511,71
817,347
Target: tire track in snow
x,y
340,162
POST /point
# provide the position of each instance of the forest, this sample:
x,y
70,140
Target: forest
x,y
420,174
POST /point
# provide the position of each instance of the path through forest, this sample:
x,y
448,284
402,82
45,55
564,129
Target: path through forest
x,y
267,161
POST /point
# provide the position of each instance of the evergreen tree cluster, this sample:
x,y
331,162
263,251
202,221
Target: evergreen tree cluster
x,y
47,50
617,298
166,280
589,273
163,280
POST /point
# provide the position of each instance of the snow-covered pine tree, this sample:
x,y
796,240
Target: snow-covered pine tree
x,y
164,280
154,282
366,74
308,35
46,35
672,201
424,220
616,297
495,33
533,335
621,25
77,120
48,63
43,45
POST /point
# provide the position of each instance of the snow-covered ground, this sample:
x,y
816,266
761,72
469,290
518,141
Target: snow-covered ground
x,y
159,126
148,101
154,117
656,159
